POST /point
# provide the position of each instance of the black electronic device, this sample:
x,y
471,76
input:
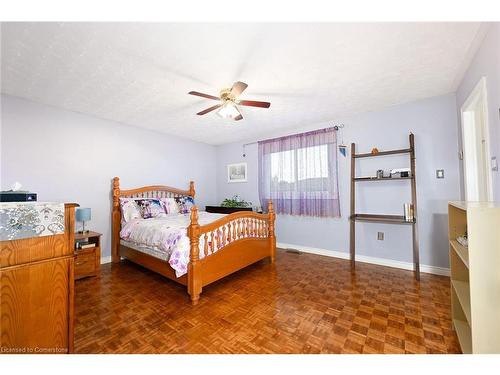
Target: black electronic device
x,y
17,196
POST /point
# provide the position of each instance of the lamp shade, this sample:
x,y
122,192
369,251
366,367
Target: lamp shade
x,y
82,214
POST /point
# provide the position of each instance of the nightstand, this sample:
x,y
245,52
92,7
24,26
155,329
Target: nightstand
x,y
87,259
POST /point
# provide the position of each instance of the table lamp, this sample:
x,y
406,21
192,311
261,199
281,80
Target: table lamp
x,y
83,215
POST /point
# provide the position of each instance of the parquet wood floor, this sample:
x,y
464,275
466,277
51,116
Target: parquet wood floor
x,y
303,304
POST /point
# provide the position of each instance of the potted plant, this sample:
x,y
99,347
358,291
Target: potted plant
x,y
235,201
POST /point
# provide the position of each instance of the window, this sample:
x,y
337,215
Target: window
x,y
299,173
304,169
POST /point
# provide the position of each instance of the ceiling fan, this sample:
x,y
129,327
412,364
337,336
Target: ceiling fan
x,y
228,98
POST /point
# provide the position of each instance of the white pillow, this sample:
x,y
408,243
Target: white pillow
x,y
170,205
130,209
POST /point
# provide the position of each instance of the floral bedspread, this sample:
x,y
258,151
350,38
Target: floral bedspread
x,y
168,235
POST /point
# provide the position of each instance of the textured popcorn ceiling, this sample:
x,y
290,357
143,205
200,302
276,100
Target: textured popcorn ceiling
x,y
139,73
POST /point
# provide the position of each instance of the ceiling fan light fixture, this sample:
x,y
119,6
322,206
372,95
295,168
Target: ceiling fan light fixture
x,y
228,110
228,102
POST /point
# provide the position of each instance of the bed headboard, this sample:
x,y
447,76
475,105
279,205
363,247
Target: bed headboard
x,y
155,191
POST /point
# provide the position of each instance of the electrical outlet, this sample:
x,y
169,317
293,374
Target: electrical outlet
x,y
380,236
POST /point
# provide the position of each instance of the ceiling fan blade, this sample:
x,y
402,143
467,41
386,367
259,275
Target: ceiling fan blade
x,y
196,93
254,103
238,88
238,118
209,109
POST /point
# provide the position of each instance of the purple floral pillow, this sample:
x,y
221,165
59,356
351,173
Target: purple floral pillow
x,y
150,208
185,204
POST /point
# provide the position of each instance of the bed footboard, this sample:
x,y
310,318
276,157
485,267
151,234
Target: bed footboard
x,y
228,244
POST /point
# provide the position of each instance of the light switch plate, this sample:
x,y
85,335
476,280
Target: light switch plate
x,y
439,173
494,164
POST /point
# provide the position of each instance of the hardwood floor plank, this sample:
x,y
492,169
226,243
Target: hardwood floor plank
x,y
303,304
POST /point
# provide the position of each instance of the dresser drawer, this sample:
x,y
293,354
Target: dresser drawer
x,y
85,263
35,306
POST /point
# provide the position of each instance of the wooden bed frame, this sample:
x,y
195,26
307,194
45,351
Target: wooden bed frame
x,y
230,243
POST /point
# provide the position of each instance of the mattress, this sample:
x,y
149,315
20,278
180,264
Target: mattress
x,y
150,250
165,238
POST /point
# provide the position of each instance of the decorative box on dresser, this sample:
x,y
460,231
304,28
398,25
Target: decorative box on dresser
x,y
36,277
475,275
88,260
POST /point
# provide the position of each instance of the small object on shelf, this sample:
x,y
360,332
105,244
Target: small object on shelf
x,y
87,246
83,215
374,151
408,212
400,172
380,173
462,240
80,243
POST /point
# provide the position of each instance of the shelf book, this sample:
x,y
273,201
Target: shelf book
x,y
475,275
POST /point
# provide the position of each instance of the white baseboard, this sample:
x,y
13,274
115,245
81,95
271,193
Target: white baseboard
x,y
366,259
105,260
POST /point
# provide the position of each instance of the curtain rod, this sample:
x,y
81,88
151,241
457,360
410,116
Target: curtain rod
x,y
336,128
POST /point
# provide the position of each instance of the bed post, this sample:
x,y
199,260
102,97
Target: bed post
x,y
272,236
116,222
191,189
194,270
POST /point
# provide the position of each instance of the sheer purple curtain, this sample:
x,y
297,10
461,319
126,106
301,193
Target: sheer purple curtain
x,y
299,174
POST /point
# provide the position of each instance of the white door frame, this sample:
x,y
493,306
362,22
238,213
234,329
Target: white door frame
x,y
479,93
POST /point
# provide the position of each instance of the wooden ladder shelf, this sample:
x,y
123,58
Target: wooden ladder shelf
x,y
379,218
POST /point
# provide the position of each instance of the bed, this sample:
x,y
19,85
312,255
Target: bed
x,y
217,245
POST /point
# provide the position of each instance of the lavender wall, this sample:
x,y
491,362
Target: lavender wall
x,y
433,121
65,156
69,157
486,63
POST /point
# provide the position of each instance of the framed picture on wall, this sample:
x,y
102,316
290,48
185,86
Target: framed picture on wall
x,y
237,172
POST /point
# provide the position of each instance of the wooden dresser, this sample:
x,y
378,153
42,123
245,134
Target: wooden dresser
x,y
37,281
